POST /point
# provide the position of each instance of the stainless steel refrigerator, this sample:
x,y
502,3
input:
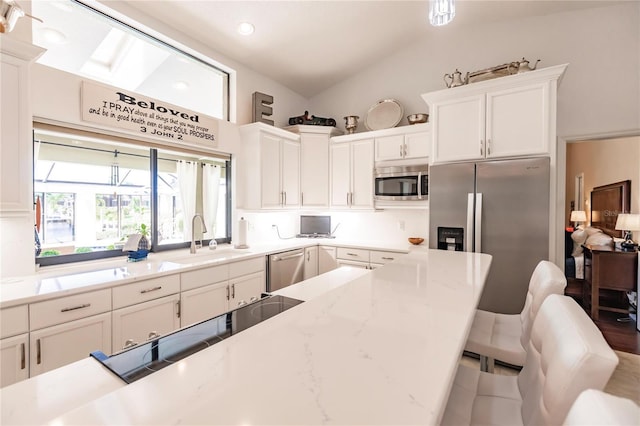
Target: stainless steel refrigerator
x,y
495,207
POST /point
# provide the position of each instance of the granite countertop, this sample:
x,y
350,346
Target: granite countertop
x,y
63,280
381,349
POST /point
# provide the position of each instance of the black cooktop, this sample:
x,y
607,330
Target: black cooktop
x,y
141,360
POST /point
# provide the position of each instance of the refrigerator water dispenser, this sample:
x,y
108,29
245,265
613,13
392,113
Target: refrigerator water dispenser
x,y
450,238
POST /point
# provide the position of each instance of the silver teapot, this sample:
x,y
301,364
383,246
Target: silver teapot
x,y
455,79
523,66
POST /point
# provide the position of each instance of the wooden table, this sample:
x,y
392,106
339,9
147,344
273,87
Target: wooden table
x,y
608,272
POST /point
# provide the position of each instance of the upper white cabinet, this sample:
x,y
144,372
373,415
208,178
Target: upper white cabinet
x,y
351,173
314,164
269,171
403,143
511,116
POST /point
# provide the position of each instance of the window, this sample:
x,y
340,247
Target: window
x,y
92,193
83,41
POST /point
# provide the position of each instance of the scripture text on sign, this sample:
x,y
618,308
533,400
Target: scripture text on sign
x,y
131,111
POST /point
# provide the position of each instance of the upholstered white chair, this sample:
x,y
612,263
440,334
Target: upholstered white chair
x,y
594,407
503,336
566,355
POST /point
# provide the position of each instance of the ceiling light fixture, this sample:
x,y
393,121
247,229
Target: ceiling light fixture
x,y
441,12
246,28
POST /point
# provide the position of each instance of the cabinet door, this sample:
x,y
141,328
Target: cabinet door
x,y
417,145
290,172
204,303
138,322
458,129
246,289
389,148
518,121
14,359
63,344
310,262
362,174
340,174
326,259
314,170
270,190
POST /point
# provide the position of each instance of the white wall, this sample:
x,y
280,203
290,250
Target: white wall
x,y
600,92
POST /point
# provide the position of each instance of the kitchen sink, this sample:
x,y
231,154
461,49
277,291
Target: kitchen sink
x,y
206,256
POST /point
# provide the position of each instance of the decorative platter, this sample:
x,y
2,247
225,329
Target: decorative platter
x,y
384,115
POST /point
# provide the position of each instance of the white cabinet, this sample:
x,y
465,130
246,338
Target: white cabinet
x,y
326,259
403,143
351,166
269,168
14,359
215,290
310,262
144,321
365,259
314,164
512,116
59,345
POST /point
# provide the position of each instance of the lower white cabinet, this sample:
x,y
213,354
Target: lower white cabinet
x,y
138,323
310,262
14,359
365,259
246,289
326,259
203,303
62,344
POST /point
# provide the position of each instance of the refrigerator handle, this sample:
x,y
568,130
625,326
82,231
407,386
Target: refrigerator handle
x,y
468,238
478,227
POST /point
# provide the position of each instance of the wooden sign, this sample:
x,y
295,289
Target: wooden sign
x,y
130,111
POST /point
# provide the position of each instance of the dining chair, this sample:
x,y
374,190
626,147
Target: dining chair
x,y
594,407
505,336
566,355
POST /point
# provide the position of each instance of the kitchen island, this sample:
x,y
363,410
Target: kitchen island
x,y
380,349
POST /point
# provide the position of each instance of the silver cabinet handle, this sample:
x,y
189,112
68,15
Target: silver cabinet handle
x,y
481,147
129,343
302,198
347,198
38,352
149,290
387,258
228,294
488,146
419,185
308,256
178,309
401,151
73,308
153,335
285,197
352,254
233,291
23,355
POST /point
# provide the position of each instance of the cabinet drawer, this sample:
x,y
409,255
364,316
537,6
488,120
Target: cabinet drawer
x,y
353,254
131,294
245,267
201,277
14,321
64,309
383,256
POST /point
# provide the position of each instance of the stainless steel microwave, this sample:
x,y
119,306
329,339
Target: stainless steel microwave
x,y
402,183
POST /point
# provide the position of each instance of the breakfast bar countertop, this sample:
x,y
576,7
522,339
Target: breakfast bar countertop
x,y
380,349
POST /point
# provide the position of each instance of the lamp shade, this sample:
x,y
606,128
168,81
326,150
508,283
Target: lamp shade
x,y
578,216
628,222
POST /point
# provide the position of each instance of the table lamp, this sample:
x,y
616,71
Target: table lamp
x,y
578,216
627,223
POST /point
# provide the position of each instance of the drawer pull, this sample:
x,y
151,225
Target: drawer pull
x,y
233,291
149,290
387,258
228,293
129,343
352,254
84,305
23,361
38,352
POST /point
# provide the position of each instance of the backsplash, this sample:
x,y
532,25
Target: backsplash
x,y
390,225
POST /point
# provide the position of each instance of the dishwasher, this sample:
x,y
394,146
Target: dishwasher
x,y
284,268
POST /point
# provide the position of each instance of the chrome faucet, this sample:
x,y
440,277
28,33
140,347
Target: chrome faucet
x,y
194,246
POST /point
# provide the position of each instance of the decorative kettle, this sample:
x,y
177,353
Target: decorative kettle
x,y
523,66
455,79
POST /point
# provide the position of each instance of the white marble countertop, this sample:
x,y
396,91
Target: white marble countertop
x,y
57,281
380,349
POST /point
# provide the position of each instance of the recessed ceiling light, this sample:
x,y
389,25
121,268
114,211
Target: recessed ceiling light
x,y
181,85
53,36
246,28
